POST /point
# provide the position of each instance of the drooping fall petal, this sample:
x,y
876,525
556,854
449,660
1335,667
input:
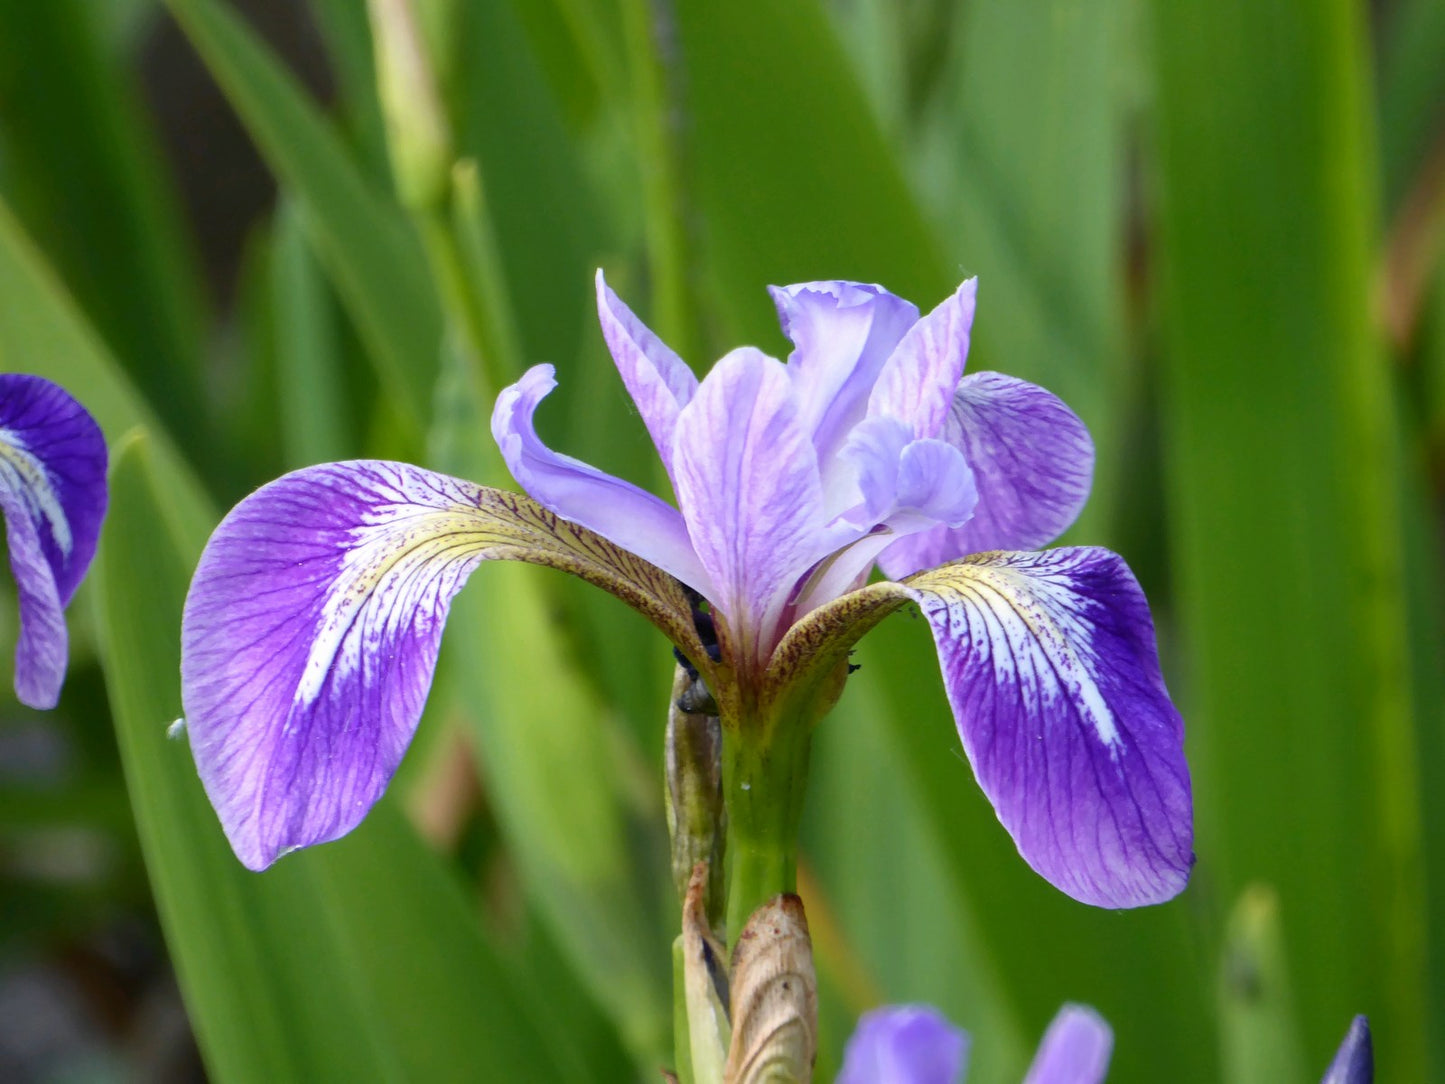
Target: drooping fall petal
x,y
311,630
1050,665
53,494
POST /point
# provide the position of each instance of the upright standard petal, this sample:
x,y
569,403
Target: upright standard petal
x,y
619,511
904,1044
311,630
659,381
52,492
842,333
1033,461
747,482
1075,1050
1354,1062
1051,668
917,383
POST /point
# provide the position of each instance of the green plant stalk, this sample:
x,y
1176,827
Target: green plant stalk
x,y
765,771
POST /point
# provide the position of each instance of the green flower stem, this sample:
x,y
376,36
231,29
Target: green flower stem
x,y
764,775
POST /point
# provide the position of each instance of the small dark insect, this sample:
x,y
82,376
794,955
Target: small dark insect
x,y
697,698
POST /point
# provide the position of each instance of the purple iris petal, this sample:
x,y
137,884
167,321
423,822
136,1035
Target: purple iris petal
x,y
917,383
52,492
1051,668
1034,462
1075,1049
747,482
901,480
904,1044
617,510
1354,1062
842,333
659,381
308,643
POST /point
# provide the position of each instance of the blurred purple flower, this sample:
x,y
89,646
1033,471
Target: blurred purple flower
x,y
312,626
53,494
915,1044
1354,1062
904,1044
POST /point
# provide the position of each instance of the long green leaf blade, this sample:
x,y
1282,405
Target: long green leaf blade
x,y
1284,512
363,239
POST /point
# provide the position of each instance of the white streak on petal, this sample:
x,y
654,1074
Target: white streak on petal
x,y
1051,669
25,475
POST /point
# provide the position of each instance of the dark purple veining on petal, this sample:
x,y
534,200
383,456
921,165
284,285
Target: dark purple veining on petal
x,y
1033,461
1051,668
309,640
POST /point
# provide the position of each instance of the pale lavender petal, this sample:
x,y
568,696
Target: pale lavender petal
x,y
659,381
907,484
904,1044
1075,1050
1051,668
917,383
53,493
1033,460
619,511
308,643
1354,1062
43,644
842,333
935,484
747,482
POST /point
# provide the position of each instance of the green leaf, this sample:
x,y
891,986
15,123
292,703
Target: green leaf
x,y
581,815
309,365
1412,93
1040,219
365,242
1256,1008
84,172
358,961
1284,511
41,332
793,177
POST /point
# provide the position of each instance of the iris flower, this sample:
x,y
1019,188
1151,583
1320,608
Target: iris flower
x,y
915,1044
312,625
52,491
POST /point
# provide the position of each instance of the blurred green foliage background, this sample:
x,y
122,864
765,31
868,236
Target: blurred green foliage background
x,y
1213,226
